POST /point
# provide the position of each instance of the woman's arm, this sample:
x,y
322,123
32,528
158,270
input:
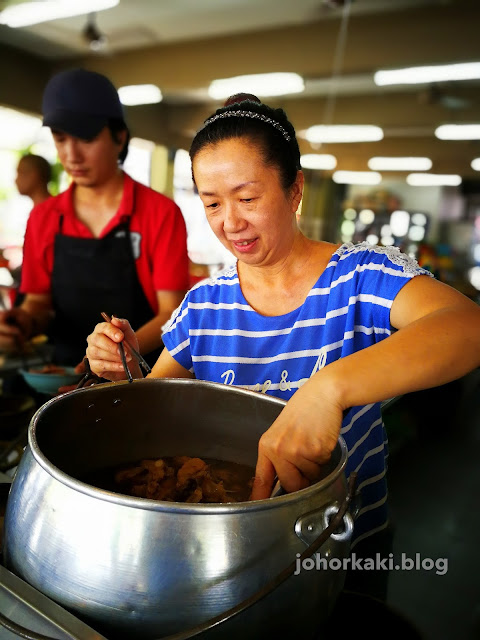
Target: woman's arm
x,y
438,340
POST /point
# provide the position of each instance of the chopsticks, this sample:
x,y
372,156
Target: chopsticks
x,y
141,360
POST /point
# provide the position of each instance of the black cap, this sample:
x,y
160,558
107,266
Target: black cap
x,y
80,103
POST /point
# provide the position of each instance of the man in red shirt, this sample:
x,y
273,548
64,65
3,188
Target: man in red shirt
x,y
33,175
108,243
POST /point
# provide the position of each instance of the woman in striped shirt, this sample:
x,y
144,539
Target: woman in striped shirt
x,y
333,329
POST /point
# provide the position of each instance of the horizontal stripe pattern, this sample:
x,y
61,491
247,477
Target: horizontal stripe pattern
x,y
218,336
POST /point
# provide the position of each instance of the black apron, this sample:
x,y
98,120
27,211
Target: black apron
x,y
91,275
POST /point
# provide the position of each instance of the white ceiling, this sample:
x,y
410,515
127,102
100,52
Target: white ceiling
x,y
134,24
181,45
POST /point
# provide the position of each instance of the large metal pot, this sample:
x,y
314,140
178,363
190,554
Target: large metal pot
x,y
139,568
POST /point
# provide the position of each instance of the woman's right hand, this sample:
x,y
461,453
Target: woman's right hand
x,y
103,353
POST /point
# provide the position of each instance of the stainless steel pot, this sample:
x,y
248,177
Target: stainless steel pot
x,y
138,568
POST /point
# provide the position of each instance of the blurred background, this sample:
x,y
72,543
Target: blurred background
x,y
399,179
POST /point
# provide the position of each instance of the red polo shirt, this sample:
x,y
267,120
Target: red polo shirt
x,y
156,225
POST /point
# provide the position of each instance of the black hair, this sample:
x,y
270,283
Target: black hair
x,y
116,125
272,141
43,167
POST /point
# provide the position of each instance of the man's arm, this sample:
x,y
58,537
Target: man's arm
x,y
21,323
150,335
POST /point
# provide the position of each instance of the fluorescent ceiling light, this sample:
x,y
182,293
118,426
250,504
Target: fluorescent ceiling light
x,y
432,179
260,84
399,164
357,177
318,161
343,133
134,94
424,75
28,13
475,164
458,132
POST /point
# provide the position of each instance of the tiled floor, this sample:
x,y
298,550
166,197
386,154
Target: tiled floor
x,y
434,485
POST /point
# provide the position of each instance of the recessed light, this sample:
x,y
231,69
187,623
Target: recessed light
x,y
259,84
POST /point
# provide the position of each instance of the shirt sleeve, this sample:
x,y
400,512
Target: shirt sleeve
x,y
176,336
37,255
382,273
169,251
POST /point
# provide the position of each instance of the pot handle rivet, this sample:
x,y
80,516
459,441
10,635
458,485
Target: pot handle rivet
x,y
311,525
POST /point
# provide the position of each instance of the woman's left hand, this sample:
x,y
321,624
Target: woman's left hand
x,y
300,440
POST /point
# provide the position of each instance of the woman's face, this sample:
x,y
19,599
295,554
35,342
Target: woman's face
x,y
247,208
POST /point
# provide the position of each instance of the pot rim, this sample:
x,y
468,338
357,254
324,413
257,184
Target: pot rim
x,y
176,507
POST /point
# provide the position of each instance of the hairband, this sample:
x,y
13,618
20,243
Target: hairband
x,y
250,114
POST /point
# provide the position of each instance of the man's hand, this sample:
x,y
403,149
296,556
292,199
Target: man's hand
x,y
16,327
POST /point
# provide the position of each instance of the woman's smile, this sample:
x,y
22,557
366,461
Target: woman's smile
x,y
245,246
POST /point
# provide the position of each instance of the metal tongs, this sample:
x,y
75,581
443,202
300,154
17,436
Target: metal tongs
x,y
141,360
92,377
89,375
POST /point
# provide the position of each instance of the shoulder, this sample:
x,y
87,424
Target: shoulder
x,y
48,212
223,283
376,258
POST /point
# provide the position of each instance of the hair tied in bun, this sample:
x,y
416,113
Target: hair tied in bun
x,y
240,97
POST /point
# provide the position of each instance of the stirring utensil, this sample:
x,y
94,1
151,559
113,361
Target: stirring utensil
x,y
141,360
277,490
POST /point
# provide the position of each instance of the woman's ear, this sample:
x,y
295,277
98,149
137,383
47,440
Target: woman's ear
x,y
296,190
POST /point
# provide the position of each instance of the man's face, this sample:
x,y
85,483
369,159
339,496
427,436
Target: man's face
x,y
90,163
28,178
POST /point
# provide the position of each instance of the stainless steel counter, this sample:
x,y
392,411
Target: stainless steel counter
x,y
29,608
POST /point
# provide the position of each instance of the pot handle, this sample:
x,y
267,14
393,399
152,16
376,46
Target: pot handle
x,y
281,577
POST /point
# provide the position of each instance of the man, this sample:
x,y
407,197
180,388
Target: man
x,y
33,175
107,244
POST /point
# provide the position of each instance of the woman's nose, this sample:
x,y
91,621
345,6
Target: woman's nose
x,y
232,220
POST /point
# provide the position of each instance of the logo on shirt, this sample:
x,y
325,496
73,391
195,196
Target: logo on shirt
x,y
135,239
284,384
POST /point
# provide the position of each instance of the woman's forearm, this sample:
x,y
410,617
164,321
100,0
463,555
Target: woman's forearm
x,y
434,350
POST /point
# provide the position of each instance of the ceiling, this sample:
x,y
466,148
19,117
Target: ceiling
x,y
181,45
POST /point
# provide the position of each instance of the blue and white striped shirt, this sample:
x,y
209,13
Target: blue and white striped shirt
x,y
217,335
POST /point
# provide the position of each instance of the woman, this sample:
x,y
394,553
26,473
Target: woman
x,y
307,321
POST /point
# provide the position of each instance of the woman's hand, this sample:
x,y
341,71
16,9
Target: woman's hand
x,y
103,353
300,440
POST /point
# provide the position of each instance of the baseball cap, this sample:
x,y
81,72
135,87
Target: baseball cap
x,y
80,103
